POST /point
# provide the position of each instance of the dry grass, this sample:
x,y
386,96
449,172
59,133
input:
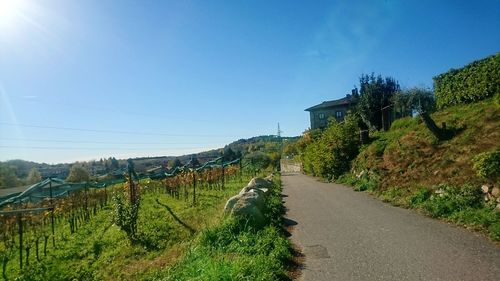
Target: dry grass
x,y
412,157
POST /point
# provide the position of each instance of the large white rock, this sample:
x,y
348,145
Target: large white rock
x,y
257,183
250,205
250,202
228,208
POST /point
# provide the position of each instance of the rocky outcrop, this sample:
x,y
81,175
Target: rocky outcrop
x,y
250,203
492,194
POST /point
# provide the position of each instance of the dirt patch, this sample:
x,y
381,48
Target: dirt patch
x,y
133,270
296,264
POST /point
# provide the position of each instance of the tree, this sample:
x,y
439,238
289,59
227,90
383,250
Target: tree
x,y
176,163
34,176
422,100
8,176
229,154
195,162
115,165
375,99
330,154
78,173
258,160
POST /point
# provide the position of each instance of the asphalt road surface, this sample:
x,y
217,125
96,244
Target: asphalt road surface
x,y
348,235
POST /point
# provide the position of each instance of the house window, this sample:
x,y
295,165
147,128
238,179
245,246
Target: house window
x,y
321,116
338,114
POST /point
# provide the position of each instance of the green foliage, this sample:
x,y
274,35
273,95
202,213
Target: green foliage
x,y
473,82
453,199
242,254
376,93
8,176
494,230
363,183
330,154
34,176
392,194
419,99
487,165
100,250
476,217
234,250
422,195
78,173
126,215
258,160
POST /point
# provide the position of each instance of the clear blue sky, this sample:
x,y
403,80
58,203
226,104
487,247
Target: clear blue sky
x,y
147,78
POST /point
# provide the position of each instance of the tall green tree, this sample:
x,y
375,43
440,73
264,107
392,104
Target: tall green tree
x,y
374,104
78,173
34,176
229,154
422,100
176,163
8,176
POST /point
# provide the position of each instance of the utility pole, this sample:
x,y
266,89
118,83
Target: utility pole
x,y
280,145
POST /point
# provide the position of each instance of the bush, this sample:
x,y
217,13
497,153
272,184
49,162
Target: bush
x,y
480,217
422,195
494,230
473,82
487,165
329,156
366,184
453,200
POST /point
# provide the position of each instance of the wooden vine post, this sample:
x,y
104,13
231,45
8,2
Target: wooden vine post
x,y
52,213
134,196
194,187
241,170
223,176
20,223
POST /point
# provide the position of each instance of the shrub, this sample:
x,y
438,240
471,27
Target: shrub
x,y
366,184
329,156
494,230
473,82
481,217
422,195
453,200
487,165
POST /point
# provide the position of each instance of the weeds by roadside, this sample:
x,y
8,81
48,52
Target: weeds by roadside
x,y
235,250
462,205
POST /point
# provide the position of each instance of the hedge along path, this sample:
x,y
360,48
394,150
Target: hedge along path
x,y
473,82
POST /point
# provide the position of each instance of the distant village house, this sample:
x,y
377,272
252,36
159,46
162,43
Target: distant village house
x,y
337,109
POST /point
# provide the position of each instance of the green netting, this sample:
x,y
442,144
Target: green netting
x,y
56,188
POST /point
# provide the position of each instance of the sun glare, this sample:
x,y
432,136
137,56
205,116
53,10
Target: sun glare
x,y
11,11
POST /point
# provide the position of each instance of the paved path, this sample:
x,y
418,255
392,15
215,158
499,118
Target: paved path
x,y
348,235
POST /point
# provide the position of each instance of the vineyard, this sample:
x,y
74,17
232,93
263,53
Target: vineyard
x,y
42,225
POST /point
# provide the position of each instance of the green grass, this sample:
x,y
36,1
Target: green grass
x,y
99,250
234,250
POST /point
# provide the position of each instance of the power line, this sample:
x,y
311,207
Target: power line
x,y
101,142
109,131
97,148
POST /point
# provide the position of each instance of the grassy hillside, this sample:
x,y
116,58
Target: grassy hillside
x,y
408,155
408,166
99,250
176,241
